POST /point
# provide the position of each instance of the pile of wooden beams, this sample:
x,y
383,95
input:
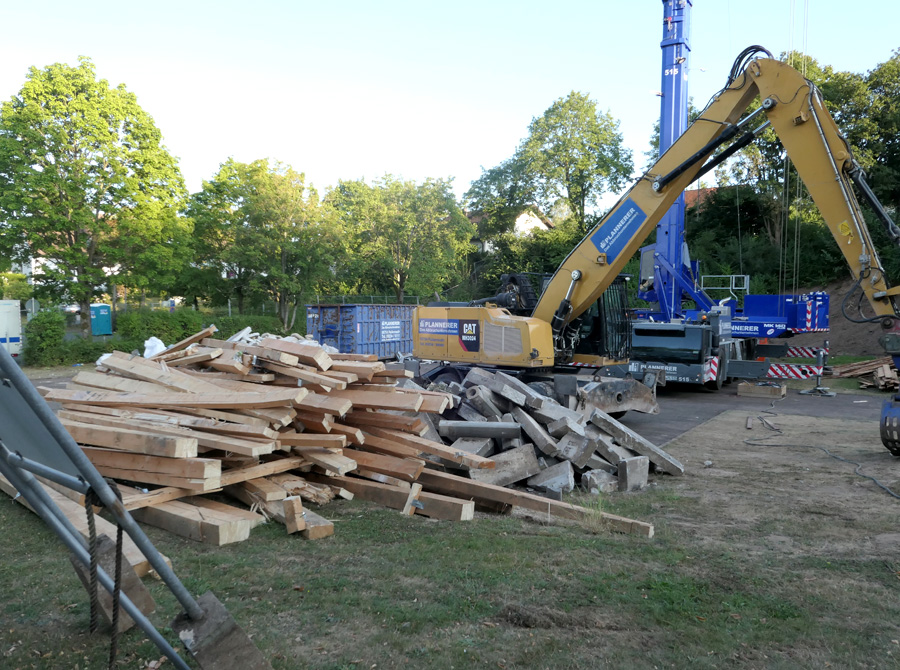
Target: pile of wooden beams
x,y
279,425
538,442
879,373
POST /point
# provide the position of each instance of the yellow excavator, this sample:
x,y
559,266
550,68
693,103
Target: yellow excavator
x,y
553,334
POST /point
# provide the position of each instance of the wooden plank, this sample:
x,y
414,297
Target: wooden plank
x,y
295,515
110,382
162,479
219,415
375,400
188,341
446,508
198,468
236,475
201,520
235,365
317,527
250,377
347,377
310,354
395,497
368,358
427,446
134,498
320,423
305,374
318,403
202,355
295,439
275,416
273,398
139,368
353,435
261,489
330,461
259,352
364,371
402,468
378,477
204,439
75,513
407,424
388,446
131,440
462,487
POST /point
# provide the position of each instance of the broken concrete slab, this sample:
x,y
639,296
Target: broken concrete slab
x,y
536,432
511,466
559,477
479,446
628,438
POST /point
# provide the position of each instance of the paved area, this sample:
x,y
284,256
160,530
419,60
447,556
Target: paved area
x,y
685,407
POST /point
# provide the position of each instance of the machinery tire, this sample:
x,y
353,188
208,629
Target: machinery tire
x,y
449,376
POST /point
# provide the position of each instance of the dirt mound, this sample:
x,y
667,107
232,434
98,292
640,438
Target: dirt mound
x,y
845,338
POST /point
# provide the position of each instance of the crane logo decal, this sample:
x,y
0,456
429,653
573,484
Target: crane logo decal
x,y
618,229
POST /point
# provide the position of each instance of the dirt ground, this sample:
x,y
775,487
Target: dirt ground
x,y
784,481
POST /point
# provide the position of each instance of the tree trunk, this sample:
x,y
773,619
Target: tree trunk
x,y
85,309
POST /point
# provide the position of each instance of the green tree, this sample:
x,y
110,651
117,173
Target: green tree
x,y
575,153
262,228
406,237
87,185
499,196
14,286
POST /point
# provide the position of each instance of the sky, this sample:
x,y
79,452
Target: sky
x,y
360,89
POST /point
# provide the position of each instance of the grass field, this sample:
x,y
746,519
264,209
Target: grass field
x,y
498,592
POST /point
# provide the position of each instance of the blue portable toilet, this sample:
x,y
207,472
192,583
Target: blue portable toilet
x,y
101,320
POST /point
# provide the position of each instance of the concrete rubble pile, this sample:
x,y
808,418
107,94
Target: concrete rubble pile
x,y
538,442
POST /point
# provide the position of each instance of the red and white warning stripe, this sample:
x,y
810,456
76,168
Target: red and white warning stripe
x,y
787,371
804,352
711,369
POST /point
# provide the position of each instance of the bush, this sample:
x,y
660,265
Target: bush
x,y
44,336
229,325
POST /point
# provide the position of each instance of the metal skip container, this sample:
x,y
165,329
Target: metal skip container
x,y
382,330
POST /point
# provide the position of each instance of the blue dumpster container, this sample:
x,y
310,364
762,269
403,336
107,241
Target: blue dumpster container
x,y
383,330
101,320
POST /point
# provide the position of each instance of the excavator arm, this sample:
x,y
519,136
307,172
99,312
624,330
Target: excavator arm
x,y
794,109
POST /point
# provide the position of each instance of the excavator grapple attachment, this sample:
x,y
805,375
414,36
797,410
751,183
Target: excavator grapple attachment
x,y
890,425
616,396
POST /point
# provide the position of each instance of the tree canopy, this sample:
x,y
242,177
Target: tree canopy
x,y
406,237
86,185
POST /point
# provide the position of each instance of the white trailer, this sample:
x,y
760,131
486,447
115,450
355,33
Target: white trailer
x,y
11,327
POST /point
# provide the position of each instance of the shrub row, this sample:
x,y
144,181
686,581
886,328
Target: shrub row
x,y
45,342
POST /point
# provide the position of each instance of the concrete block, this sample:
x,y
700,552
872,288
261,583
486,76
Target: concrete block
x,y
599,481
479,446
553,411
511,466
564,426
467,412
536,432
575,448
633,473
597,462
559,477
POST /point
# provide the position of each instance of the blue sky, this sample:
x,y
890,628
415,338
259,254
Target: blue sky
x,y
355,90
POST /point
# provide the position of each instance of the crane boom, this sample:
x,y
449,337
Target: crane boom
x,y
794,108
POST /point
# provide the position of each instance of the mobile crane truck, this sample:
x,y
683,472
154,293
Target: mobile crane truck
x,y
793,107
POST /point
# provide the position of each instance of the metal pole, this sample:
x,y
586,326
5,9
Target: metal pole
x,y
18,461
21,383
43,507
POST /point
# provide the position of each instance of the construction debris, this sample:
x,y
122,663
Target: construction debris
x,y
879,373
280,423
